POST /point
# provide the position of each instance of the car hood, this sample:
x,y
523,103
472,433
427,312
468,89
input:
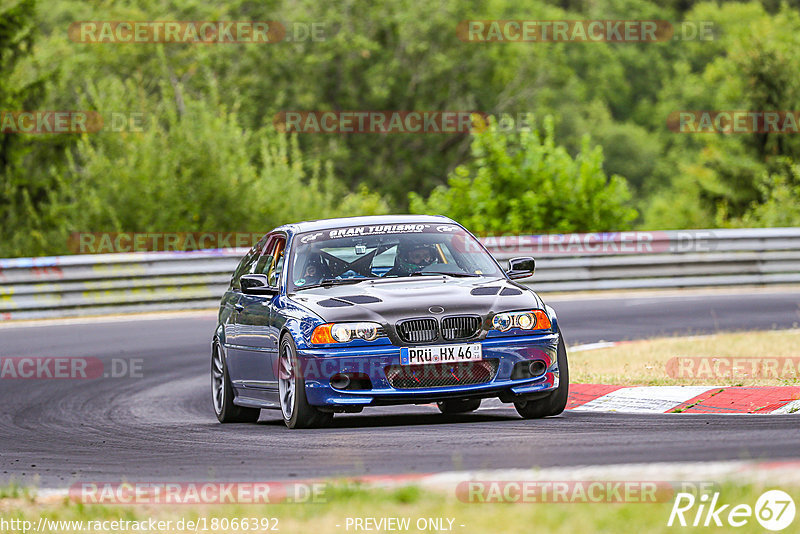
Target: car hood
x,y
388,301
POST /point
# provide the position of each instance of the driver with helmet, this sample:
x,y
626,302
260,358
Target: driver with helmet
x,y
412,258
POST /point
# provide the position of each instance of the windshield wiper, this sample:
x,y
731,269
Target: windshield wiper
x,y
454,274
340,281
328,282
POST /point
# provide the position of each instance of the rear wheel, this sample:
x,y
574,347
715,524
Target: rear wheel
x,y
459,405
554,403
297,413
222,391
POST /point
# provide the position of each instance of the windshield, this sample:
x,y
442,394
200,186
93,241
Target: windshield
x,y
348,255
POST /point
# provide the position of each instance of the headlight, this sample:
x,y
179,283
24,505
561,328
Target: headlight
x,y
367,331
502,322
344,332
524,320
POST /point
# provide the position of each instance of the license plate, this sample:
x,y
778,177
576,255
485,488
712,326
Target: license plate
x,y
441,354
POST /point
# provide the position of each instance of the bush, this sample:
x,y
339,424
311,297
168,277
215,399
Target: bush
x,y
193,167
781,205
524,183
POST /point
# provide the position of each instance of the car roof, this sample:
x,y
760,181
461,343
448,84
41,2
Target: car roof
x,y
341,222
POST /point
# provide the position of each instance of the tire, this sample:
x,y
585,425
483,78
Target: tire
x,y
554,403
297,412
222,391
458,405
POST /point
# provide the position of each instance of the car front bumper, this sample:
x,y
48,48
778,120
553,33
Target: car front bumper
x,y
319,365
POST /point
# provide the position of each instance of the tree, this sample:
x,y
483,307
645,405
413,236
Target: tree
x,y
715,179
17,31
524,183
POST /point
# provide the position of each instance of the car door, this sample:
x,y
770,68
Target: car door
x,y
257,337
232,304
229,314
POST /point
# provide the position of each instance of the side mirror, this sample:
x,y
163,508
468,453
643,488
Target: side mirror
x,y
257,284
521,267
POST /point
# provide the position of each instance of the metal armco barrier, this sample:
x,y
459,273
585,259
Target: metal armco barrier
x,y
63,286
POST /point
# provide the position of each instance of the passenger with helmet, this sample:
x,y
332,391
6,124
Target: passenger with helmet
x,y
313,272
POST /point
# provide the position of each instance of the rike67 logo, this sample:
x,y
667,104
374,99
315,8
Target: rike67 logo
x,y
774,510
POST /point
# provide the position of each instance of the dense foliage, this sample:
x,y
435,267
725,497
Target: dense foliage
x,y
518,182
209,158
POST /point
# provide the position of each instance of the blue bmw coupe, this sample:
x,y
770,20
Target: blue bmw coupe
x,y
334,315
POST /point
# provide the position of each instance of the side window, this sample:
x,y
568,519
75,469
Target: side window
x,y
274,273
264,261
270,262
247,263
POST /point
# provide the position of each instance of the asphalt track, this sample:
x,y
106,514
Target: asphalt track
x,y
160,427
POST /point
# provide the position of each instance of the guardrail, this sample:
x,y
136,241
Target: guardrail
x,y
114,283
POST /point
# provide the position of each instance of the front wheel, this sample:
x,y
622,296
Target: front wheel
x,y
222,391
554,403
297,413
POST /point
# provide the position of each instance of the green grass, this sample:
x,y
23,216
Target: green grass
x,y
14,490
647,363
343,501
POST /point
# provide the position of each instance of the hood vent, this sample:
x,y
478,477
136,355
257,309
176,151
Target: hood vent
x,y
361,299
490,290
508,291
334,303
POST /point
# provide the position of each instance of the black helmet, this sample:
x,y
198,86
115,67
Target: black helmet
x,y
410,258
